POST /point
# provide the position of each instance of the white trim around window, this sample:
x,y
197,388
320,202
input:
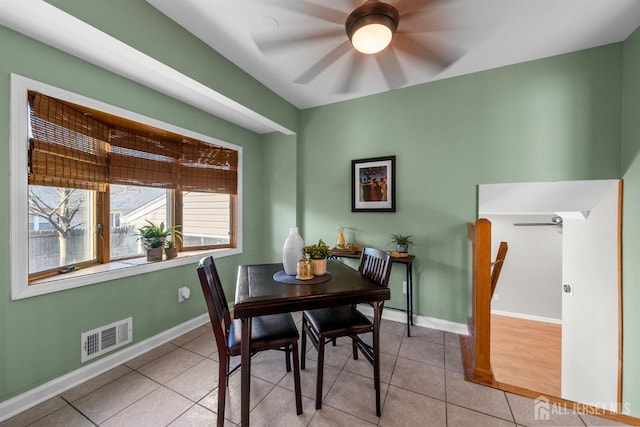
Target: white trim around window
x,y
18,221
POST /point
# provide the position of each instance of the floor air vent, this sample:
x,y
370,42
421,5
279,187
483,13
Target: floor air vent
x,y
106,338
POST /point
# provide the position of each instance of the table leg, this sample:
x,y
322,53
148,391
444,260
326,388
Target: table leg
x,y
410,285
377,315
409,300
245,371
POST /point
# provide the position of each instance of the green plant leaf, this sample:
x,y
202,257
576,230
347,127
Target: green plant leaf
x,y
401,239
318,251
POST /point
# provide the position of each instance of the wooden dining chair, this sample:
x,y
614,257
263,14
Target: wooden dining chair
x,y
272,332
328,324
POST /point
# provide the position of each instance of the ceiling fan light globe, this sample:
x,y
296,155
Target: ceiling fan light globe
x,y
370,27
371,38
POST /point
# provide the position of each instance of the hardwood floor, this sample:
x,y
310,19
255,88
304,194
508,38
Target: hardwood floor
x,y
526,353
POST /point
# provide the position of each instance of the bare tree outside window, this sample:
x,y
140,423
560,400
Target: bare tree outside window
x,y
65,209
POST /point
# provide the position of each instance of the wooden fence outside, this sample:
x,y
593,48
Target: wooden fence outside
x,y
44,247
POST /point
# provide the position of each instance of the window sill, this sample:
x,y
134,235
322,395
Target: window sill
x,y
114,270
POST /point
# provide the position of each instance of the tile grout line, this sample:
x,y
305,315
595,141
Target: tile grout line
x,y
395,362
78,410
510,409
446,398
130,404
182,413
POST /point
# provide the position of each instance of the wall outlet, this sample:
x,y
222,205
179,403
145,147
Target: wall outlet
x,y
183,293
496,297
404,286
568,289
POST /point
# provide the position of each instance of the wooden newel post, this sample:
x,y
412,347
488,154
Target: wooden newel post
x,y
477,347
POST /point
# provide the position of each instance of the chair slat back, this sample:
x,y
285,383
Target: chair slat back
x,y
376,265
216,302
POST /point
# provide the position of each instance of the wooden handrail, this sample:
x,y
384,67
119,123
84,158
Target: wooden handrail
x,y
497,265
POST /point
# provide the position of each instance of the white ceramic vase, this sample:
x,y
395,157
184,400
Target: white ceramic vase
x,y
292,251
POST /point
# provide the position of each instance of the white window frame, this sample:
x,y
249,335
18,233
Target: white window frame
x,y
19,221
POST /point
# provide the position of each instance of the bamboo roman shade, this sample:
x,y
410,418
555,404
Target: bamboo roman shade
x,y
66,149
78,147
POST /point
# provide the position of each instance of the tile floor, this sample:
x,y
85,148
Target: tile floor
x,y
175,385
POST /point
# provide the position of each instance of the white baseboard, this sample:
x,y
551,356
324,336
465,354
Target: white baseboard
x,y
427,322
48,390
527,316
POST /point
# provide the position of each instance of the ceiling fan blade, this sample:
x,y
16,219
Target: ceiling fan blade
x,y
424,21
407,6
534,224
314,10
354,68
390,67
269,44
324,62
556,220
424,50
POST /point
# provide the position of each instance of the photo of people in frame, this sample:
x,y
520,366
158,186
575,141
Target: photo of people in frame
x,y
373,184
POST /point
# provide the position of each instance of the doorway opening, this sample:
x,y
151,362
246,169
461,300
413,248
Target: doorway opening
x,y
582,301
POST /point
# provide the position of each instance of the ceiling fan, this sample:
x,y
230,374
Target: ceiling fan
x,y
387,33
556,220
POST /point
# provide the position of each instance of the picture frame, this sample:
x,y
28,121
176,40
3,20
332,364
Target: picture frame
x,y
373,184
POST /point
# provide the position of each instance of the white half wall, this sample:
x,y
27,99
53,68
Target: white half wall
x,y
590,351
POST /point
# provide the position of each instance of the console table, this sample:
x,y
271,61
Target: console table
x,y
408,262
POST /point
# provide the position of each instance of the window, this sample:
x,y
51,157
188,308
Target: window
x,y
94,174
132,206
205,219
65,232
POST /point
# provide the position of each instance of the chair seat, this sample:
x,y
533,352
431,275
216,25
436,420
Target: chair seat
x,y
271,331
338,320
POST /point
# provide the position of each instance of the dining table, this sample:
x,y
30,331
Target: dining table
x,y
263,289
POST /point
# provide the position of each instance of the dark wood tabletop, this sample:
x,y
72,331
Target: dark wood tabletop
x,y
257,293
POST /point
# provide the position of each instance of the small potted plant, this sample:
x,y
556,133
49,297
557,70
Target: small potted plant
x,y
318,254
170,249
154,236
402,242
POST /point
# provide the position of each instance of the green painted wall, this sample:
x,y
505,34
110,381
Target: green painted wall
x,y
279,159
553,119
631,230
39,336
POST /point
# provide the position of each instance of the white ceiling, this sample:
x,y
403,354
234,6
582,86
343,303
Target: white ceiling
x,y
484,34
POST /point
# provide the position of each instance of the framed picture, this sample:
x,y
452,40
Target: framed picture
x,y
373,184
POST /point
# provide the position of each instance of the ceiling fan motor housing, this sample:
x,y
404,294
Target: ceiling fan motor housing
x,y
372,12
